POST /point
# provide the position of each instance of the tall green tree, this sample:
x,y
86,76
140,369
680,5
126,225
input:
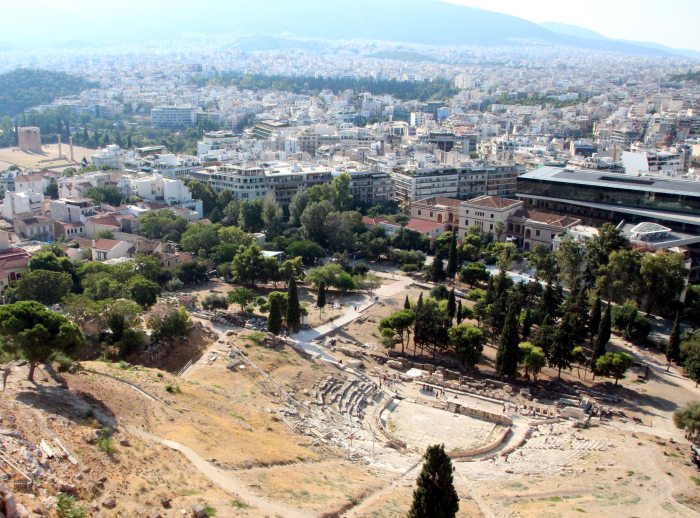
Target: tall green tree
x,y
293,310
435,495
44,286
451,304
249,265
251,215
272,217
594,317
274,321
406,303
35,333
688,418
437,270
468,342
663,278
507,354
613,365
452,263
673,347
603,336
400,324
321,296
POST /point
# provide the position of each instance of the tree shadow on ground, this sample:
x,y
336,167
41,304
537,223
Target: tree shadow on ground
x,y
76,406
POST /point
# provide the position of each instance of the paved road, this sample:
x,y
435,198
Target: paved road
x,y
385,293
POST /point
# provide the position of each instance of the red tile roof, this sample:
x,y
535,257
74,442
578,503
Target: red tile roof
x,y
547,218
373,221
423,226
106,244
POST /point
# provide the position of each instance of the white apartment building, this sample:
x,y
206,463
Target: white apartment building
x,y
245,182
111,156
463,182
170,165
255,182
216,141
157,188
21,202
183,116
71,210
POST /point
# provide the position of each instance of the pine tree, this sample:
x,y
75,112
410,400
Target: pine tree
x,y
594,320
673,348
459,312
293,313
507,355
451,305
419,337
602,338
452,257
129,144
406,303
321,296
435,495
274,322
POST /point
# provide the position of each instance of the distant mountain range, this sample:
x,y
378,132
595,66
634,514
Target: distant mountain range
x,y
269,24
581,32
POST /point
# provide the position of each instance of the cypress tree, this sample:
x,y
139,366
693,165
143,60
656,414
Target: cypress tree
x,y
293,313
452,257
419,337
527,324
673,348
406,303
451,305
321,298
321,295
594,320
507,355
602,338
459,312
274,322
435,495
563,345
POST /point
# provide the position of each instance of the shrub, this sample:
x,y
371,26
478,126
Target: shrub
x,y
104,442
173,389
409,268
440,293
215,301
67,508
628,321
65,363
476,294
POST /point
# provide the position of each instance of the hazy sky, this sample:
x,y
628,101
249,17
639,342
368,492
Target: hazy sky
x,y
669,22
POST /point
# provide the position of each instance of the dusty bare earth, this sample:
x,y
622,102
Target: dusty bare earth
x,y
47,159
307,438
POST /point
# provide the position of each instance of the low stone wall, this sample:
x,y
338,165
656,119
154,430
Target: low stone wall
x,y
475,452
393,440
480,414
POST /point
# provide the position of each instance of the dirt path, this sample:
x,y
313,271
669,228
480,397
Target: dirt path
x,y
378,495
223,479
